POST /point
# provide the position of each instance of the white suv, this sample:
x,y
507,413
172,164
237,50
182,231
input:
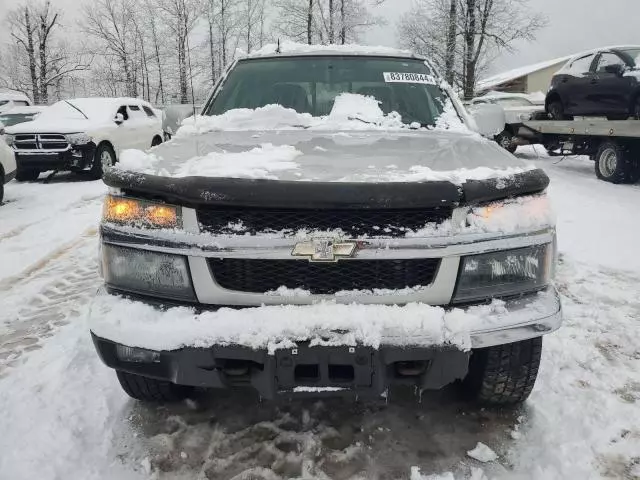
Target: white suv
x,y
83,134
7,166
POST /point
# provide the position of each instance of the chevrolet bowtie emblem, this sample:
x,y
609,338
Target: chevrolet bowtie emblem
x,y
324,250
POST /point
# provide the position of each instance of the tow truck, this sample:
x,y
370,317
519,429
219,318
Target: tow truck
x,y
614,145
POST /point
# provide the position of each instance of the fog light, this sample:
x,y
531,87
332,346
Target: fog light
x,y
151,273
137,355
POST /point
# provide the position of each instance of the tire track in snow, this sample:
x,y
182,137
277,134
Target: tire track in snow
x,y
48,295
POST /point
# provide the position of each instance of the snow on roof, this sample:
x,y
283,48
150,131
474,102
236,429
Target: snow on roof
x,y
505,77
291,49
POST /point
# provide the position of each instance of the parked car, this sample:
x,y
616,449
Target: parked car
x,y
518,108
10,99
83,134
7,166
16,115
604,82
316,246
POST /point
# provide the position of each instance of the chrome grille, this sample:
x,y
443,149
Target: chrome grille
x,y
50,142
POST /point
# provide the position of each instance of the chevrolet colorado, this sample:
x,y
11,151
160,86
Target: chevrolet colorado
x,y
330,225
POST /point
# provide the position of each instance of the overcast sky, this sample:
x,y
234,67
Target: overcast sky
x,y
574,25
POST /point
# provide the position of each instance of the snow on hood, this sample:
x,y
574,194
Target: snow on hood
x,y
356,142
63,118
329,156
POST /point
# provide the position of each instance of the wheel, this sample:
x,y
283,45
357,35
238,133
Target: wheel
x,y
616,164
27,174
556,111
151,390
104,158
504,374
505,140
156,141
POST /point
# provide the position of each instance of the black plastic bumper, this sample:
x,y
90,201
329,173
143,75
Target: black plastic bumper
x,y
300,371
77,158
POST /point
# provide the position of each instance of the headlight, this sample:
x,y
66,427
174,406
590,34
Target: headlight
x,y
10,139
504,273
150,273
134,212
78,138
525,117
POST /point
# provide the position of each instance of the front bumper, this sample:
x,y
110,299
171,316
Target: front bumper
x,y
403,356
76,158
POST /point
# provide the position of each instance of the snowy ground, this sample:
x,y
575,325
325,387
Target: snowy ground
x,y
64,416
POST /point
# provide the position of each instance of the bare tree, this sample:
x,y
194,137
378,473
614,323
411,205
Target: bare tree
x,y
349,19
298,20
110,22
48,59
482,28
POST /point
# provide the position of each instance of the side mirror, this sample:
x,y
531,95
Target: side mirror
x,y
490,119
119,119
615,69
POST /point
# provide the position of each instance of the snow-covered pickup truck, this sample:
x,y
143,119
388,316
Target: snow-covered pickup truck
x,y
83,134
302,237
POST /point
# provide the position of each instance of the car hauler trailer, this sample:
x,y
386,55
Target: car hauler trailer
x,y
614,145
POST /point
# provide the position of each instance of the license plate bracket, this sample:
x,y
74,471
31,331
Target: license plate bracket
x,y
344,367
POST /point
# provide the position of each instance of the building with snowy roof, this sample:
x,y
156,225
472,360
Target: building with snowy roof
x,y
528,79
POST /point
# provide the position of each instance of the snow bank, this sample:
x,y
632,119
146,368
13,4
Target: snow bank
x,y
256,163
275,327
483,453
288,47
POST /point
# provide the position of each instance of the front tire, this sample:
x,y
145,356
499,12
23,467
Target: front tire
x,y
616,164
151,390
104,158
556,111
504,375
27,174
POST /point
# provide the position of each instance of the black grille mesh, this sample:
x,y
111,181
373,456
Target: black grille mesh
x,y
260,276
372,223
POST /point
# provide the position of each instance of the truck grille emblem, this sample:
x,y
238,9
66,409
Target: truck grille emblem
x,y
324,250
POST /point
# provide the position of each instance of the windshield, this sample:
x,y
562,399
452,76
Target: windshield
x,y
310,85
9,119
634,54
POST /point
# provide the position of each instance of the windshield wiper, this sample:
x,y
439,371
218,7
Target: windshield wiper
x,y
66,101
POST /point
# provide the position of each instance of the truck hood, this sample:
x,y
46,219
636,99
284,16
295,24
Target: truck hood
x,y
63,125
324,169
303,155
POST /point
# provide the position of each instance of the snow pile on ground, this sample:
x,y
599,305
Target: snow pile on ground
x,y
476,474
275,327
137,161
289,47
256,163
483,453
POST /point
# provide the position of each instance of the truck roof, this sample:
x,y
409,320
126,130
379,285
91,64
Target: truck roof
x,y
293,49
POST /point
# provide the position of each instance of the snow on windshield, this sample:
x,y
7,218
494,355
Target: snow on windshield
x,y
349,112
97,109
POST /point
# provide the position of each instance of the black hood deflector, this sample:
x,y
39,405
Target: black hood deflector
x,y
214,191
